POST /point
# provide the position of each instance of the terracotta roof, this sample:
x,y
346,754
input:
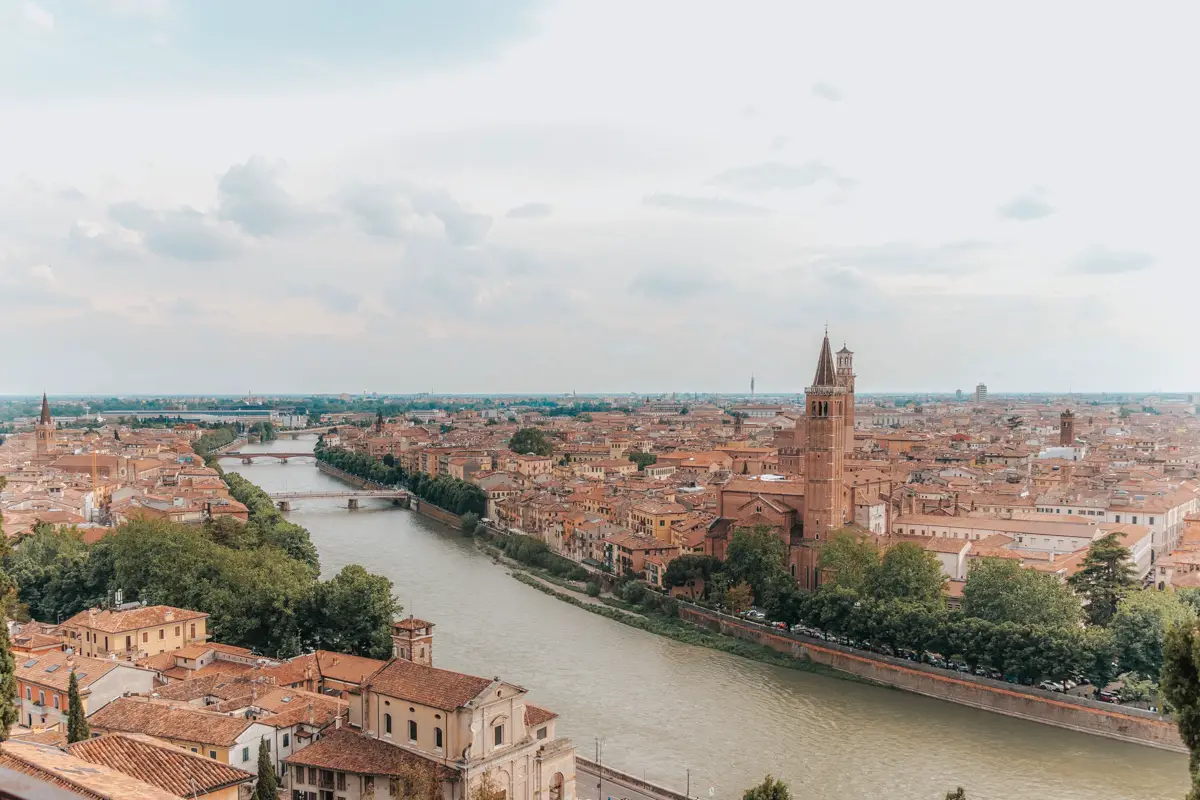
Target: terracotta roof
x,y
826,376
536,715
52,669
95,782
135,618
169,768
156,719
344,750
348,668
428,686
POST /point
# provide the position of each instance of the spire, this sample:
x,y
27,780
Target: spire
x,y
826,376
44,419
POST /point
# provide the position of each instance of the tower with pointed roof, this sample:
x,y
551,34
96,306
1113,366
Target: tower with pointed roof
x,y
824,459
44,431
845,376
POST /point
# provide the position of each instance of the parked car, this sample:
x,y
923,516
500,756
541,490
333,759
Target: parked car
x,y
782,626
754,615
1051,686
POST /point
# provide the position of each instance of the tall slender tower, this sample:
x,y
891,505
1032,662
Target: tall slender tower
x,y
845,378
1066,428
44,430
751,385
824,449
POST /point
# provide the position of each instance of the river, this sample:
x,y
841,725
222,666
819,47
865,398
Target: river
x,y
663,707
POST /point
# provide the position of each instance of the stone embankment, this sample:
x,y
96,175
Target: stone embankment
x,y
1051,708
353,480
624,779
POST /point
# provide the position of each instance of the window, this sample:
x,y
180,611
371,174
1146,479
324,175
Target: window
x,y
341,781
245,754
28,693
542,733
299,774
412,730
162,633
145,636
176,630
312,775
387,724
1152,520
105,642
437,738
128,642
56,701
287,737
498,735
195,750
192,627
212,754
1135,519
41,698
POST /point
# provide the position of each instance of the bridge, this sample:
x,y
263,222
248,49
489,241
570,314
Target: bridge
x,y
284,499
248,458
292,433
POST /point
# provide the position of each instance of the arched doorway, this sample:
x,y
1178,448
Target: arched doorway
x,y
556,786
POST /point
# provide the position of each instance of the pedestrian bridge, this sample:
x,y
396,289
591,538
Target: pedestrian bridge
x,y
284,499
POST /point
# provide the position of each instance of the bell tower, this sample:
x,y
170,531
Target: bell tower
x,y
1066,429
44,430
845,379
824,458
412,640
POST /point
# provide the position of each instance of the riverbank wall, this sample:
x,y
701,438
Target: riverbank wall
x,y
1050,708
353,480
436,512
625,779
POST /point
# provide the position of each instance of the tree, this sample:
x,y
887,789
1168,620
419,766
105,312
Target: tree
x,y
758,557
389,460
267,787
957,794
1180,687
849,559
487,788
469,522
908,572
77,724
1106,575
739,598
1001,590
642,460
352,613
8,665
692,571
1140,626
531,440
769,789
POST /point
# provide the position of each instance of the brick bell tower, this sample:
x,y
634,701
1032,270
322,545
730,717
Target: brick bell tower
x,y
44,430
1066,429
845,377
412,640
824,457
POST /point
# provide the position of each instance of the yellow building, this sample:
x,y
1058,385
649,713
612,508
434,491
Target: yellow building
x,y
134,633
653,518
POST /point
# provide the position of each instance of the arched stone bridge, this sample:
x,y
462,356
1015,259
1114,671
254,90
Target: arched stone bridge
x,y
248,458
284,499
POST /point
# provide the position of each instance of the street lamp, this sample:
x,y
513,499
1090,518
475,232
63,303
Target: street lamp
x,y
600,762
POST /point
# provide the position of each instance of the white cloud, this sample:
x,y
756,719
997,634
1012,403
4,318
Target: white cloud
x,y
36,16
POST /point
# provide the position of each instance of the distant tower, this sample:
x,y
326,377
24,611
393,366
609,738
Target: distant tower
x,y
412,640
845,379
981,393
1066,428
44,431
958,395
824,459
751,385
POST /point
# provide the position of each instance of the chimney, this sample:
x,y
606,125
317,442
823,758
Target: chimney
x,y
337,722
311,719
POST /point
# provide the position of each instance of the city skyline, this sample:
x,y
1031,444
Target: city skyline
x,y
395,198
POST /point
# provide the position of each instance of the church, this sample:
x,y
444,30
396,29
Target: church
x,y
813,497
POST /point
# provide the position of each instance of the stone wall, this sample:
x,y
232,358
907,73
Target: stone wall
x,y
1051,708
436,512
633,782
353,480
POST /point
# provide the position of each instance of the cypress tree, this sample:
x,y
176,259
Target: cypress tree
x,y
267,787
77,724
8,681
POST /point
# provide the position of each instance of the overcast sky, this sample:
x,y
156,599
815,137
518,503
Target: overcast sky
x,y
608,196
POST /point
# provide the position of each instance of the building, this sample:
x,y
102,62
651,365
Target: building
x,y
44,431
824,458
174,770
1066,429
845,377
43,681
456,728
981,393
130,634
626,553
73,776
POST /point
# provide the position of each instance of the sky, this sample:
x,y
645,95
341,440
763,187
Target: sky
x,y
277,196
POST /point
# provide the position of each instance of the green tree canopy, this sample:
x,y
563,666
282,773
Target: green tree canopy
x,y
642,460
849,559
1140,627
531,440
352,613
77,724
758,557
267,786
1180,687
694,570
769,789
1106,575
738,598
908,572
1001,590
8,666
